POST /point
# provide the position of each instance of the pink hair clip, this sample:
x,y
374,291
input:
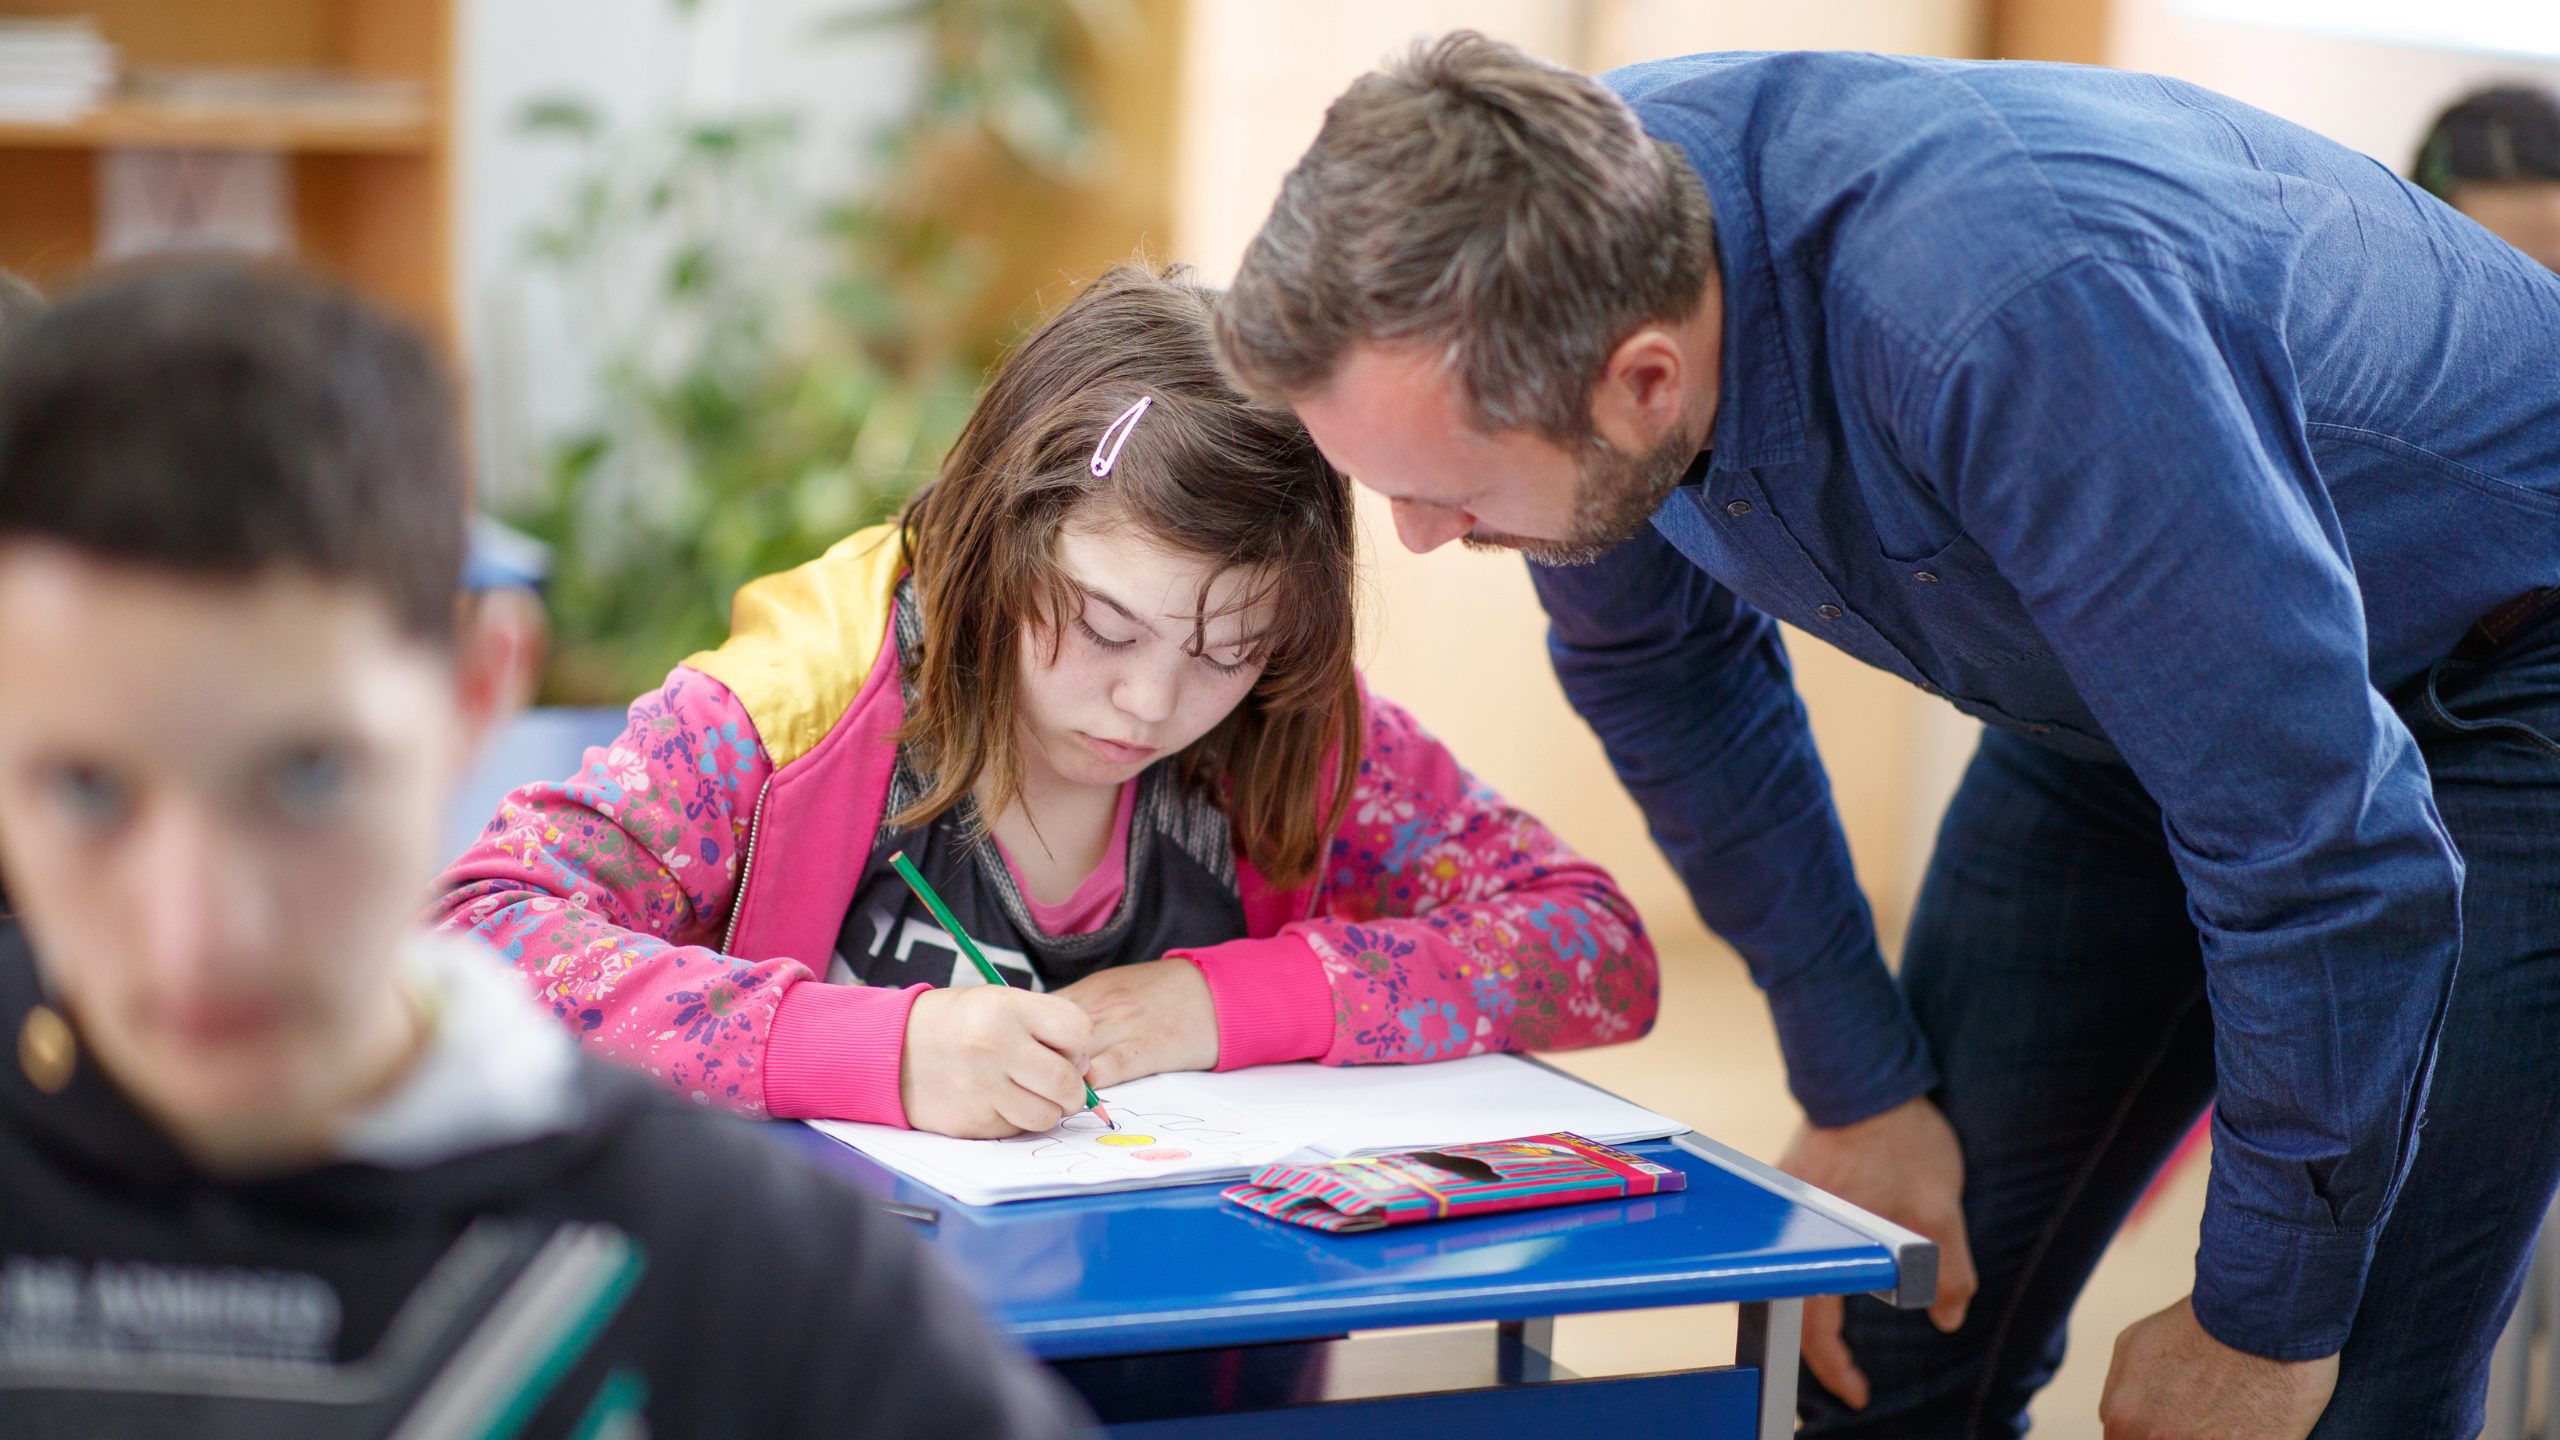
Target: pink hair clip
x,y
1106,451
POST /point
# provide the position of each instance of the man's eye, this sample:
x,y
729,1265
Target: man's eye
x,y
89,795
311,781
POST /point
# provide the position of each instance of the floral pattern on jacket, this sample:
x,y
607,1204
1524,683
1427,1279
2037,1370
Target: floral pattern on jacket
x,y
1447,922
1452,923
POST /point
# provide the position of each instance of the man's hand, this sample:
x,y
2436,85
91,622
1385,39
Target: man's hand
x,y
984,1061
1148,1017
1905,1166
2170,1380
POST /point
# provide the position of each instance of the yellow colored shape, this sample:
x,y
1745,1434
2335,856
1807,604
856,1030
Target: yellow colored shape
x,y
1125,1140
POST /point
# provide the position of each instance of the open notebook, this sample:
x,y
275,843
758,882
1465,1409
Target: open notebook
x,y
1192,1127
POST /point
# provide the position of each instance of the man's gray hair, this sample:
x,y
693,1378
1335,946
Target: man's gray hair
x,y
1508,213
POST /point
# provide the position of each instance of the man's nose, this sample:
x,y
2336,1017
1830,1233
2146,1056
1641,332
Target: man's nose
x,y
1424,527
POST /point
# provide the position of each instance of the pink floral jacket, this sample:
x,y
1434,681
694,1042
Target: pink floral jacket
x,y
675,901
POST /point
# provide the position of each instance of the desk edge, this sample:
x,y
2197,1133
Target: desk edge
x,y
1915,1256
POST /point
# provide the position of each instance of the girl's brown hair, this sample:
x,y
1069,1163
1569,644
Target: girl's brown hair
x,y
1206,472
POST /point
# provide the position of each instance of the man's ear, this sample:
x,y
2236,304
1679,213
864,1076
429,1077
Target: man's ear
x,y
499,644
1637,399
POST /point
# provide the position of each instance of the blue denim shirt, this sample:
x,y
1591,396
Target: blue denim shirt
x,y
2166,432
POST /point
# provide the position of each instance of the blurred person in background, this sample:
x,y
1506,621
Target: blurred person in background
x,y
271,1160
503,573
2212,469
20,302
2494,155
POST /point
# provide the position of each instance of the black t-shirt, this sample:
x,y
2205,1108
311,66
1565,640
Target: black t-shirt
x,y
656,1267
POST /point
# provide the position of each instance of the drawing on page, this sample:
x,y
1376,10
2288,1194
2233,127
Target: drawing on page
x,y
1083,1145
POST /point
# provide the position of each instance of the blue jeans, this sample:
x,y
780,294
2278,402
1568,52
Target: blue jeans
x,y
2053,967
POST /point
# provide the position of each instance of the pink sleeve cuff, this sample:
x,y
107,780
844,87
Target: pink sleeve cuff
x,y
833,1053
1272,1000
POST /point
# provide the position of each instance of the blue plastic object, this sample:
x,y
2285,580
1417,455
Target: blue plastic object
x,y
1178,1269
1692,1403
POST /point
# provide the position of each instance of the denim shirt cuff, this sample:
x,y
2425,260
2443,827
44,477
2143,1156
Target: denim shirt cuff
x,y
1851,1046
2278,1291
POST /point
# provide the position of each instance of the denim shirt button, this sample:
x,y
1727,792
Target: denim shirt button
x,y
1738,509
1928,689
1925,577
1827,612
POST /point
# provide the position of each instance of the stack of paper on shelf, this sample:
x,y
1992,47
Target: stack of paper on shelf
x,y
53,69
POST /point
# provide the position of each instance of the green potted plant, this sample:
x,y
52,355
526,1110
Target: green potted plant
x,y
755,413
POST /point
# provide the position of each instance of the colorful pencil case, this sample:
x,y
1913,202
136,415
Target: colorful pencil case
x,y
1370,1192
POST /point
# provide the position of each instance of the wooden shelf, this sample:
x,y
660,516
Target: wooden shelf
x,y
371,171
301,128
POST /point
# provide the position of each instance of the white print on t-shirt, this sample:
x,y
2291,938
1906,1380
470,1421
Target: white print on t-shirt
x,y
912,932
57,1307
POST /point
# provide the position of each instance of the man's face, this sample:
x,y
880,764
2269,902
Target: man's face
x,y
218,808
1396,421
2524,213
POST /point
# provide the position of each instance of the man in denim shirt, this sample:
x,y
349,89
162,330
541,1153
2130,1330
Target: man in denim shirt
x,y
2214,468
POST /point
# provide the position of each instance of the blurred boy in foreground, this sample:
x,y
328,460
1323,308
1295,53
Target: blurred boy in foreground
x,y
270,1162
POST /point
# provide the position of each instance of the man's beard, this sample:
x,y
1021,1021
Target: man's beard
x,y
1614,497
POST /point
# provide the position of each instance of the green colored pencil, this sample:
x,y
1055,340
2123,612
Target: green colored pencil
x,y
986,968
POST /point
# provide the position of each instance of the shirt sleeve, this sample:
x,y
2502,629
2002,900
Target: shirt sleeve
x,y
609,890
2131,457
1451,923
1689,691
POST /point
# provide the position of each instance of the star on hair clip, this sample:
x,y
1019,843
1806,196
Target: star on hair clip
x,y
1106,451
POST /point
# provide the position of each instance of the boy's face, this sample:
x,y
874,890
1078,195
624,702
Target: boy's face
x,y
218,809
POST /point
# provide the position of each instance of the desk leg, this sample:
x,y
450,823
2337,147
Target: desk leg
x,y
1524,1350
1771,1337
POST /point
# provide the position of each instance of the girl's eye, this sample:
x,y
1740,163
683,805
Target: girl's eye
x,y
89,795
1223,668
1098,638
311,781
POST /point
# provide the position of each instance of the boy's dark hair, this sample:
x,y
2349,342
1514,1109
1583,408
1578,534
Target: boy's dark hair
x,y
221,420
2495,136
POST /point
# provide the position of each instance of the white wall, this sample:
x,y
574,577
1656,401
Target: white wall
x,y
640,65
2374,95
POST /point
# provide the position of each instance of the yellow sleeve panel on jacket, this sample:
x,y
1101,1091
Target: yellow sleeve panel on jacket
x,y
801,643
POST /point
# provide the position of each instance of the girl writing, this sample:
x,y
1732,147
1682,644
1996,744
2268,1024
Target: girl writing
x,y
1098,685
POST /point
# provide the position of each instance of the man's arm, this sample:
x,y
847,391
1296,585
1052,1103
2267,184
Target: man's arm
x,y
1689,692
2131,457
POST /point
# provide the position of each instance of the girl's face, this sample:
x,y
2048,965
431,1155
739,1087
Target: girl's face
x,y
1127,684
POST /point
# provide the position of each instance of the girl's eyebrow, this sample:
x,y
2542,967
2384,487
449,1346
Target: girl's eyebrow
x,y
1126,613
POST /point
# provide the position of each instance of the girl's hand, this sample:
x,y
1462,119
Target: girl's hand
x,y
1148,1017
987,1061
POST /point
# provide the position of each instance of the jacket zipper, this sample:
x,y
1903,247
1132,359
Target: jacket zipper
x,y
746,868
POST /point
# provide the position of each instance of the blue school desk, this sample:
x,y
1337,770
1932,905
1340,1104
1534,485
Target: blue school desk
x,y
1180,1317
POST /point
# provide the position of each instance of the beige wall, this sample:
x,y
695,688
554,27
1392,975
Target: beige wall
x,y
1458,637
2378,98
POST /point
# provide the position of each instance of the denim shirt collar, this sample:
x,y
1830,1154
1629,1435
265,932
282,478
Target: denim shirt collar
x,y
1760,403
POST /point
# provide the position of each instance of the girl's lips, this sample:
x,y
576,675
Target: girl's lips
x,y
1114,751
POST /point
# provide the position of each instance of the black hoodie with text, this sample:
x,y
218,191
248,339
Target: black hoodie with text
x,y
518,1241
